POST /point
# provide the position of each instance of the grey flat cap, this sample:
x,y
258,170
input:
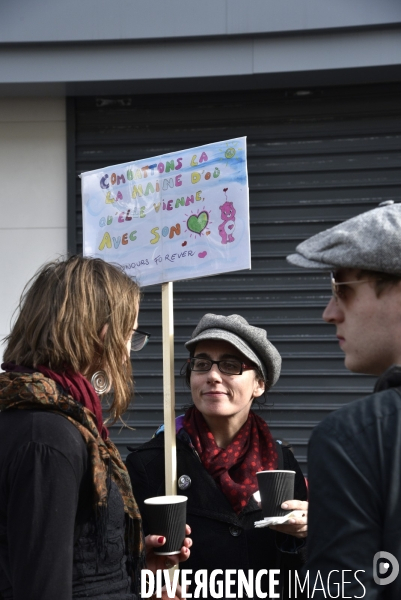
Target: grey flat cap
x,y
370,241
251,341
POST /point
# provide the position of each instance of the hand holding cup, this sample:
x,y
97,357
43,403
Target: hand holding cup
x,y
277,500
156,562
297,525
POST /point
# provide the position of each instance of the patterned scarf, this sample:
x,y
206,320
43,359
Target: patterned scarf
x,y
75,384
234,468
81,390
35,391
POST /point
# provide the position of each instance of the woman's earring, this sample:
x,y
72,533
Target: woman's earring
x,y
100,382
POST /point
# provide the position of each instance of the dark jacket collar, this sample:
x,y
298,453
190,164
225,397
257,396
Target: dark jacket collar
x,y
389,379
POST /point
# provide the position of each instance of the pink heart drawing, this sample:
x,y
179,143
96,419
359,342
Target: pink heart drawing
x,y
202,254
231,226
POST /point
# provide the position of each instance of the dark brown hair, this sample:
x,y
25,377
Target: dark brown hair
x,y
78,313
382,281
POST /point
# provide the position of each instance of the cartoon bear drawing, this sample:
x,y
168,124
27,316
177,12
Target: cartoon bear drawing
x,y
226,228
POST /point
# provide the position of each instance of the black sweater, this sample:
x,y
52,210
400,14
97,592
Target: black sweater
x,y
47,529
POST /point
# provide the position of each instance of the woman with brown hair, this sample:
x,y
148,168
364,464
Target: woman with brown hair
x,y
69,524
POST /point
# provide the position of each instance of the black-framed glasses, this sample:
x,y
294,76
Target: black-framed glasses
x,y
229,366
139,340
336,290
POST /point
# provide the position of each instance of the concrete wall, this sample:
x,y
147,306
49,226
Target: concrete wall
x,y
192,59
94,47
28,21
33,201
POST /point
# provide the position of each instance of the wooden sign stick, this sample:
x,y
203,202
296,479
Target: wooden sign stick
x,y
170,453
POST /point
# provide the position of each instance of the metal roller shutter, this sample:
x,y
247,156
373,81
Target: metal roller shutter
x,y
315,158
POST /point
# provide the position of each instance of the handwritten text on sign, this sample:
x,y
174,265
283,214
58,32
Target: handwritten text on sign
x,y
175,216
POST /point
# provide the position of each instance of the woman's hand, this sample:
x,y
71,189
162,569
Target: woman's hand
x,y
155,562
298,527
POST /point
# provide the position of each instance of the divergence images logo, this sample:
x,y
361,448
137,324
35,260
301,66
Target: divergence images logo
x,y
381,566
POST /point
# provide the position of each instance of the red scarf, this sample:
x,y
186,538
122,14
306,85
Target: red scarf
x,y
82,391
234,468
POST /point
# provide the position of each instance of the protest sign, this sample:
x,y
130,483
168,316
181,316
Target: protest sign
x,y
171,217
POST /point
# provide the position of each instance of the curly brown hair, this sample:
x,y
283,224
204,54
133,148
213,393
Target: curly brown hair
x,y
78,314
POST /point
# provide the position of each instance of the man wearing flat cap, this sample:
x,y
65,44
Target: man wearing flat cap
x,y
354,542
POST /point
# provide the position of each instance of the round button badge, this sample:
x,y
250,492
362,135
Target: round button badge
x,y
184,482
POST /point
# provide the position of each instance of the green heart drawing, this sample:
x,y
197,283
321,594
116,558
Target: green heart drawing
x,y
198,223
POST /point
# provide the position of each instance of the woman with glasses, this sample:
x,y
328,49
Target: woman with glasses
x,y
69,524
221,445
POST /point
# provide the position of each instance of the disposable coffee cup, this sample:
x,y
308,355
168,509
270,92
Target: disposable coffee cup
x,y
275,487
167,516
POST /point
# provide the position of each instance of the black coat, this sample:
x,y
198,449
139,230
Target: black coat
x,y
355,504
221,538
